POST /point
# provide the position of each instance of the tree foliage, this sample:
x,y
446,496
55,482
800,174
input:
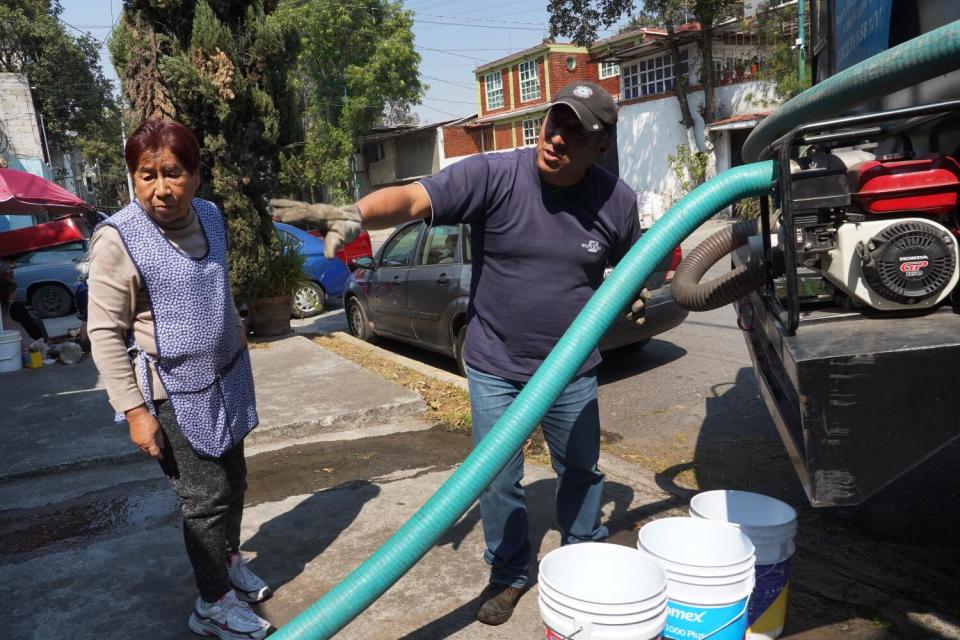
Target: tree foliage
x,y
356,60
779,67
220,67
64,71
581,19
69,89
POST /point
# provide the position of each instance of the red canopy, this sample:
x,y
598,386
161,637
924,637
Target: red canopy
x,y
22,192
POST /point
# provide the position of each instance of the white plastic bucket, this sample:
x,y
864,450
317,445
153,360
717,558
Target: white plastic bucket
x,y
771,525
11,358
600,591
709,567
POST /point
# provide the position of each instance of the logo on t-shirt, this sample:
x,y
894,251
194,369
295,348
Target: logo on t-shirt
x,y
593,246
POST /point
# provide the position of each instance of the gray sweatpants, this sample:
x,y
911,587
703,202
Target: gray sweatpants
x,y
211,496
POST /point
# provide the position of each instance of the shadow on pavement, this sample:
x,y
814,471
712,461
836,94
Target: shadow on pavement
x,y
877,565
540,509
285,544
632,360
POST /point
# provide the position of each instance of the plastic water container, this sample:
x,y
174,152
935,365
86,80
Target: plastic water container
x,y
710,575
771,525
600,591
650,206
11,358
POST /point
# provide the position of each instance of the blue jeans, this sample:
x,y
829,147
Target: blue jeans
x,y
572,431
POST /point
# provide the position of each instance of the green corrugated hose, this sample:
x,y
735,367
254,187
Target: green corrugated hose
x,y
929,55
358,590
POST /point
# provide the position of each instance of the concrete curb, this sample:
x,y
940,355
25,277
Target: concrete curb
x,y
419,367
341,422
62,467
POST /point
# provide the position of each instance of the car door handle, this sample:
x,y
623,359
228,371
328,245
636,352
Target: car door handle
x,y
443,279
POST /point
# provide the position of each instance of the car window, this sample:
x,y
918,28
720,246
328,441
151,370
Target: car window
x,y
398,252
467,249
62,253
287,239
441,245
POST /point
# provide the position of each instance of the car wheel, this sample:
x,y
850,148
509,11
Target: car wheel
x,y
458,350
358,322
51,301
308,301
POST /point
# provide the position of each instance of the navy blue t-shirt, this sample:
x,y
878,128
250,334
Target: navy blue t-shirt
x,y
538,252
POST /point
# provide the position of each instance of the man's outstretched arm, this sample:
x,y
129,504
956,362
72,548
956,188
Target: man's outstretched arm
x,y
340,225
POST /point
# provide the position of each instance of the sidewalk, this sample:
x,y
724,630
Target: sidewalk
x,y
89,531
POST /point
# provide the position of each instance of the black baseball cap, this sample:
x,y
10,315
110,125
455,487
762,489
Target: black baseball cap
x,y
593,105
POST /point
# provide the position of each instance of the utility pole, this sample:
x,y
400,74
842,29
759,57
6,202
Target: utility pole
x,y
801,45
43,130
123,137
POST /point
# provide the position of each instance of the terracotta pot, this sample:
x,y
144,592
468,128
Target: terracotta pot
x,y
269,316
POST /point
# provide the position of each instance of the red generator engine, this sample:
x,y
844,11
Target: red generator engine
x,y
895,245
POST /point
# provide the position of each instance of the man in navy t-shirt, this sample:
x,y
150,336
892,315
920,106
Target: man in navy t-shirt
x,y
545,222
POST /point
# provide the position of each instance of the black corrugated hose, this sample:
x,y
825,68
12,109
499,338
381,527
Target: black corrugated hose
x,y
691,294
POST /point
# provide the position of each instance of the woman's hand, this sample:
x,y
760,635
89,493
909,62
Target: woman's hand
x,y
145,432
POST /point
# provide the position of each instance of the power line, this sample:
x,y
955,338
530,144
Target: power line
x,y
462,86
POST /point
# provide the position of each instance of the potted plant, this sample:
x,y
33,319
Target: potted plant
x,y
269,310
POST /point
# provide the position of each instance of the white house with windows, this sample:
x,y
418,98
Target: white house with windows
x,y
650,126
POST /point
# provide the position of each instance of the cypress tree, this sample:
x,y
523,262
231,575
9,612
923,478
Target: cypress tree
x,y
219,67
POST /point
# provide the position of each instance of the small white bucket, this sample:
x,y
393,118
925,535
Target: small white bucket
x,y
709,567
771,525
11,357
600,591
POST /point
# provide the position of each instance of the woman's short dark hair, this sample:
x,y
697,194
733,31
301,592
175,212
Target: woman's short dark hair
x,y
154,135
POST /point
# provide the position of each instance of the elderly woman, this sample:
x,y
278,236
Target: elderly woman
x,y
171,349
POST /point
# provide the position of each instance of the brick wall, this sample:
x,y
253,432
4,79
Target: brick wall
x,y
612,85
504,135
458,141
561,75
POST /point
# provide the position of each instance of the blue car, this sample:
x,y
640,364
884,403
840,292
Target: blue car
x,y
326,277
46,278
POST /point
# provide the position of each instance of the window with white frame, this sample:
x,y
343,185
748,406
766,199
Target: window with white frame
x,y
529,81
609,70
630,81
494,84
653,75
531,130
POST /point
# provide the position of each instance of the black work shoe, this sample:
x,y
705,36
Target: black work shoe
x,y
497,602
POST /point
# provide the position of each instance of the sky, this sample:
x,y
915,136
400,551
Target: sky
x,y
453,37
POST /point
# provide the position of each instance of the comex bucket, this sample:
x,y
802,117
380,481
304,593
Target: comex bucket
x,y
11,358
601,591
771,525
709,567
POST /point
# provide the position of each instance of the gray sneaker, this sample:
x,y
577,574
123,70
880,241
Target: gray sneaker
x,y
249,587
228,618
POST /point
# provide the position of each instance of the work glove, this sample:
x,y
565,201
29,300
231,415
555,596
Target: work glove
x,y
638,307
339,225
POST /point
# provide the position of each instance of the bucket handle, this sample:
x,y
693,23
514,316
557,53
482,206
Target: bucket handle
x,y
746,607
581,626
